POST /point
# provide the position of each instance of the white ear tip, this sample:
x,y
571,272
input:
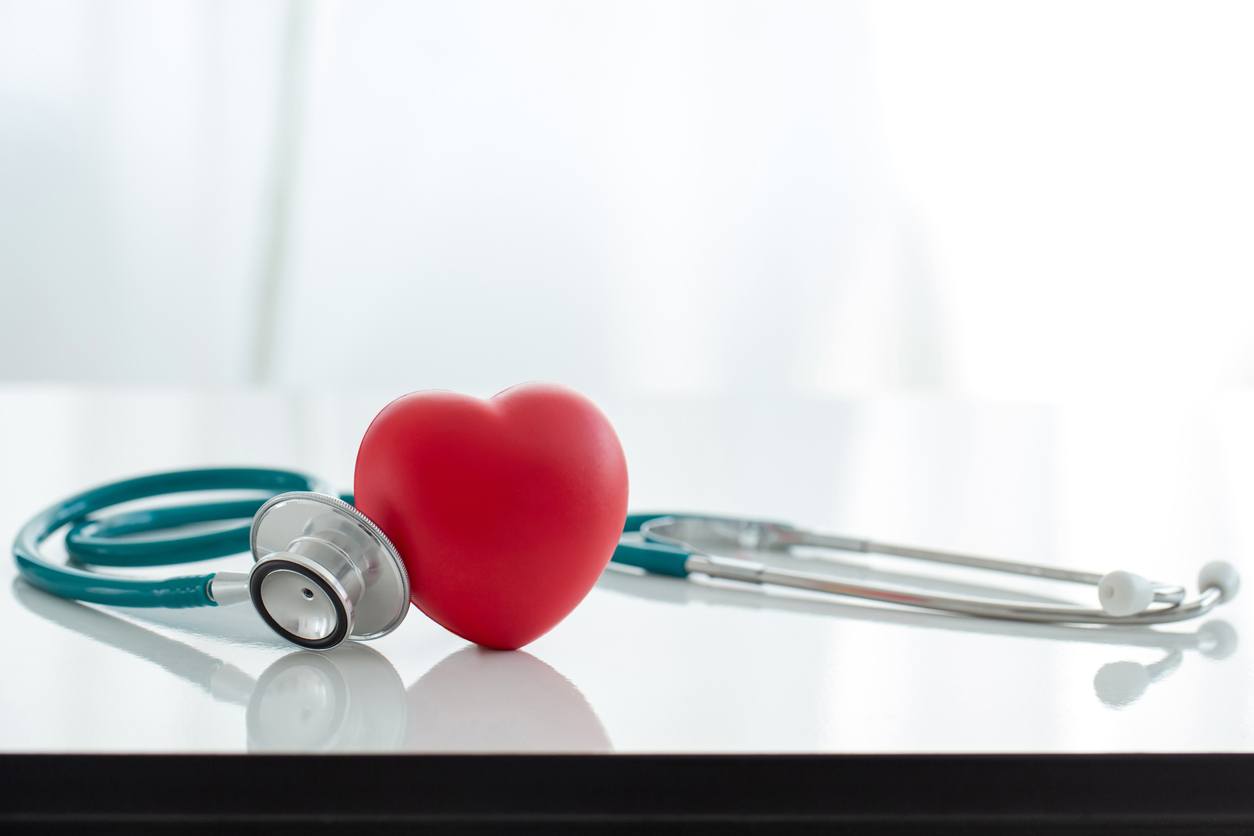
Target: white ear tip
x,y
1124,593
1221,575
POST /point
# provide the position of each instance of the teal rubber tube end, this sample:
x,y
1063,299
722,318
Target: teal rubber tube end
x,y
653,558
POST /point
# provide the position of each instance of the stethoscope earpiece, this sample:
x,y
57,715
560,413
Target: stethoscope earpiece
x,y
1221,575
1124,593
324,572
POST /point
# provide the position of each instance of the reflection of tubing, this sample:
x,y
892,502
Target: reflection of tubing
x,y
221,680
1216,639
351,698
1117,684
348,698
479,700
1120,684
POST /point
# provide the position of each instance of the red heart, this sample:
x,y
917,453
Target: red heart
x,y
505,511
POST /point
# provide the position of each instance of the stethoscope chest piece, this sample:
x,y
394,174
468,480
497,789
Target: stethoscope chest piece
x,y
324,572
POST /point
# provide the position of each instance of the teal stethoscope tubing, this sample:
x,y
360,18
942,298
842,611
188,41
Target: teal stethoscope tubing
x,y
102,542
111,541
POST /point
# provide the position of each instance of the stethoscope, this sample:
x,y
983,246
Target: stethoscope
x,y
323,572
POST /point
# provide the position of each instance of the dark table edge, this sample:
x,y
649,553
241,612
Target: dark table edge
x,y
919,793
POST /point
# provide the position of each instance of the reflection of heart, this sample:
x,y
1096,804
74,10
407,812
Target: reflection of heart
x,y
478,701
505,511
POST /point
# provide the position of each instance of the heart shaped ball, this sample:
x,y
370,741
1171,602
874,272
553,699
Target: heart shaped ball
x,y
505,511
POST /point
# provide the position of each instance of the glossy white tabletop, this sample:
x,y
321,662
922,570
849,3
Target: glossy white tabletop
x,y
653,664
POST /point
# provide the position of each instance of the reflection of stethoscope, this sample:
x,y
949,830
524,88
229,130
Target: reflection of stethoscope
x,y
351,698
1117,684
324,572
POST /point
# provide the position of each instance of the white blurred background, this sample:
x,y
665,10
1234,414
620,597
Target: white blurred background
x,y
668,204
1022,200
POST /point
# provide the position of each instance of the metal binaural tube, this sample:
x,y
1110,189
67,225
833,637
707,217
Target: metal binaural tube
x,y
758,573
1163,593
